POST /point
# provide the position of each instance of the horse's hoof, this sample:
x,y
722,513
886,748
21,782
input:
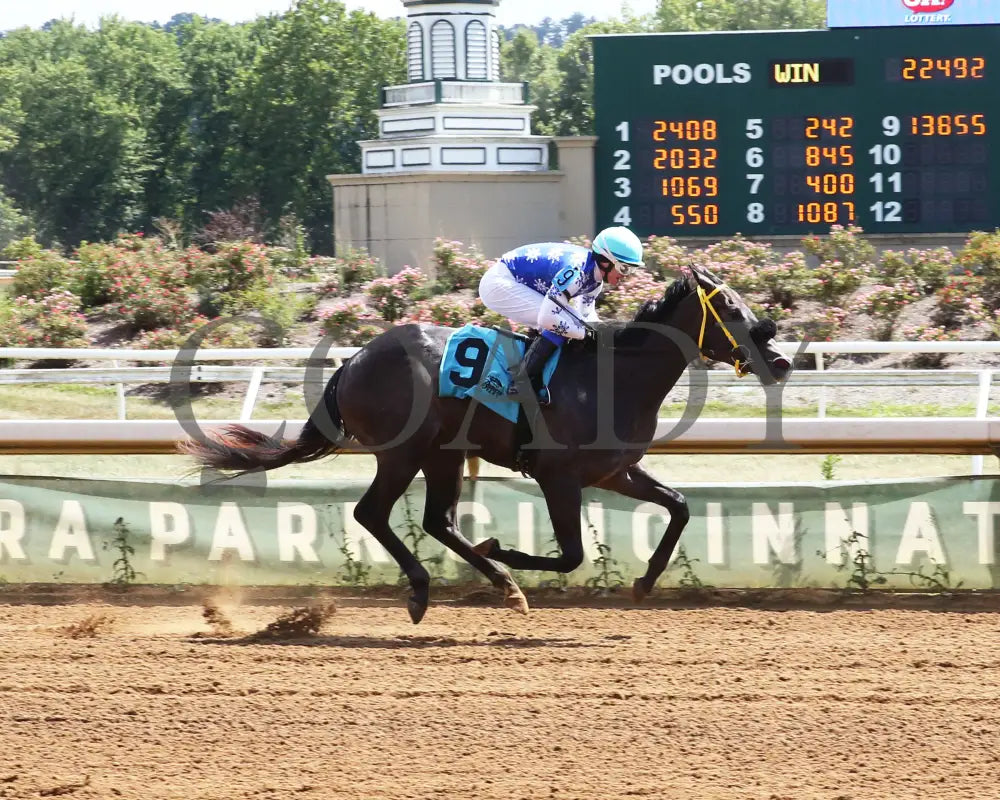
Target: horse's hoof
x,y
515,599
417,609
487,547
639,590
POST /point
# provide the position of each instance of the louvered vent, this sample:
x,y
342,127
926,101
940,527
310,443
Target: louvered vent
x,y
415,52
443,50
495,65
475,51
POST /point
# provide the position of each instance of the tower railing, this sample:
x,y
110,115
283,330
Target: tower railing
x,y
454,91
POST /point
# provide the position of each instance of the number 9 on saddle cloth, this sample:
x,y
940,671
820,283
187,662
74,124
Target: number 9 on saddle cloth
x,y
480,363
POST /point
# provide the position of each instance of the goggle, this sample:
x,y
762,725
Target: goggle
x,y
622,267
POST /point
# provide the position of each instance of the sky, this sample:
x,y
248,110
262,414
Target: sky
x,y
34,13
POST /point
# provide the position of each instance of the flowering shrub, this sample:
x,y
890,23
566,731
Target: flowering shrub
x,y
21,250
883,304
450,312
264,300
843,245
455,268
981,256
390,297
39,276
481,315
981,252
833,281
737,261
169,338
52,321
144,283
624,300
664,258
785,281
960,300
236,334
232,267
97,265
740,250
149,295
355,270
774,311
893,266
322,267
927,333
825,326
346,321
932,267
929,269
330,286
288,262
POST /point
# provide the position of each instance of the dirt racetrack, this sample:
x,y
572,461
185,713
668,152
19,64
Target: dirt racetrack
x,y
477,702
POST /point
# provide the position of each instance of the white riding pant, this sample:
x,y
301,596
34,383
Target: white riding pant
x,y
501,292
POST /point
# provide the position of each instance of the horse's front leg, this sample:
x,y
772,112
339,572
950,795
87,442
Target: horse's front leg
x,y
563,497
638,484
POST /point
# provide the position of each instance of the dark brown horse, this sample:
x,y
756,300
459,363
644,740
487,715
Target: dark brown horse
x,y
605,403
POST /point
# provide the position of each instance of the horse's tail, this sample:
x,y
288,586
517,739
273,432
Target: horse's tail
x,y
239,450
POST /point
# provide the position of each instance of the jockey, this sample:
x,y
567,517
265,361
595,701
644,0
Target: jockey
x,y
553,287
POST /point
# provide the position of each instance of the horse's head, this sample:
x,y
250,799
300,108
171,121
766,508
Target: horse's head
x,y
729,332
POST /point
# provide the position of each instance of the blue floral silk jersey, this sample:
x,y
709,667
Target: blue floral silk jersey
x,y
551,268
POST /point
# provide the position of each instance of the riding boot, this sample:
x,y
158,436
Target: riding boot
x,y
533,364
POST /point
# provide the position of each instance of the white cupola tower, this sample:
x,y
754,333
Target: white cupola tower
x,y
454,114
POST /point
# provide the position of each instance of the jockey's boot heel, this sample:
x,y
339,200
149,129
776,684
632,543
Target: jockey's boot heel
x,y
532,366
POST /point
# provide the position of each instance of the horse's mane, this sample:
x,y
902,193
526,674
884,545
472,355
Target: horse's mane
x,y
630,334
661,310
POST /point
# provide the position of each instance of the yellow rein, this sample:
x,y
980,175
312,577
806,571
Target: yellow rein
x,y
706,307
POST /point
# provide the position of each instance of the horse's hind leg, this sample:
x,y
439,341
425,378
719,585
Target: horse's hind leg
x,y
443,470
395,472
563,499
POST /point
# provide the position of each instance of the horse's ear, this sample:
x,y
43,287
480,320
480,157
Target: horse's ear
x,y
702,278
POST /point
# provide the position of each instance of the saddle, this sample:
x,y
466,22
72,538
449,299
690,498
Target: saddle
x,y
477,365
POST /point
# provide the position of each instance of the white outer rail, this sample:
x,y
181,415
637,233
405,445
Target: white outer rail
x,y
965,436
976,436
280,353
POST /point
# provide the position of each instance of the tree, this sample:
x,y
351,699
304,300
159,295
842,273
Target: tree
x,y
100,127
306,100
216,56
738,15
572,109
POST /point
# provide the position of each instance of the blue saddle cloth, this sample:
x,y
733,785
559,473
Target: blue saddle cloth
x,y
480,363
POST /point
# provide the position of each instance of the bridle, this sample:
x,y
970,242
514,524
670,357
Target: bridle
x,y
742,366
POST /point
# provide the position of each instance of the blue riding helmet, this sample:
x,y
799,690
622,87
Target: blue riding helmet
x,y
620,246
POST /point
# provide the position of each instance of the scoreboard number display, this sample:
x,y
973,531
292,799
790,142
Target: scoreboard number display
x,y
893,129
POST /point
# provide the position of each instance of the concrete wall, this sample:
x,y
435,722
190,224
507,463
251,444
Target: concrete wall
x,y
397,217
576,163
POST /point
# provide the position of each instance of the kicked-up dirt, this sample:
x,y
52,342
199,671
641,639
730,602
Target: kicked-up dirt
x,y
109,699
